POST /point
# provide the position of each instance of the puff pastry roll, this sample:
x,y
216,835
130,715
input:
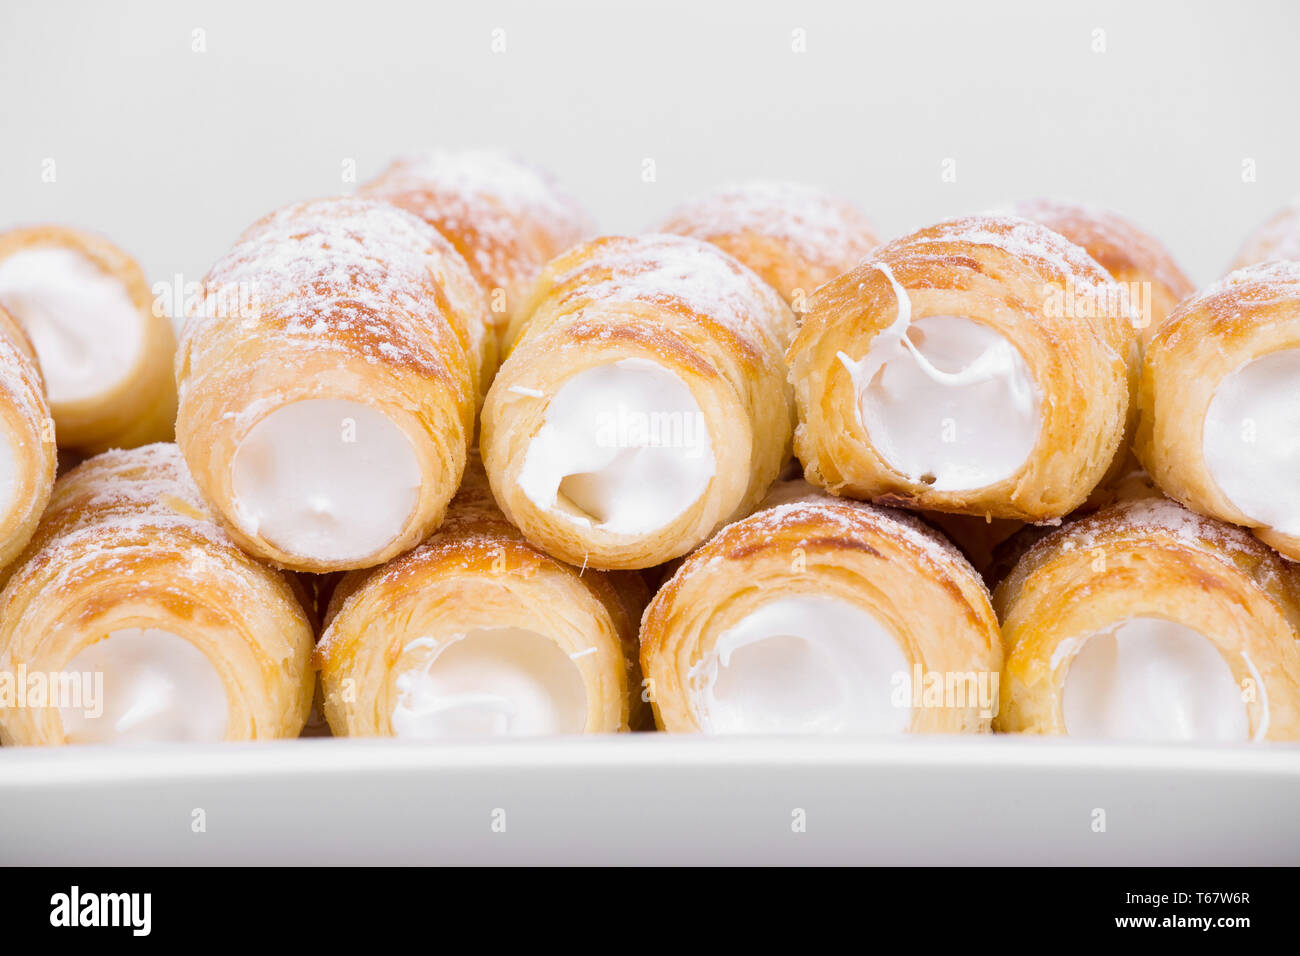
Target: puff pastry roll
x,y
476,632
329,416
1279,238
105,351
506,217
142,621
644,403
822,615
981,366
795,237
28,460
1147,621
1132,256
1220,403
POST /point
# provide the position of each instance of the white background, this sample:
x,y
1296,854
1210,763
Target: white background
x,y
172,152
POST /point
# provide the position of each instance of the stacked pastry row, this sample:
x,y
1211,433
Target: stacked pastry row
x,y
325,522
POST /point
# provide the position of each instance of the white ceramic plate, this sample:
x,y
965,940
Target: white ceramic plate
x,y
650,798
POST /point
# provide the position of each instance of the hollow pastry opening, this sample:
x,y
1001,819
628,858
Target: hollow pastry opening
x,y
1251,439
141,685
947,401
1148,678
326,479
87,332
809,664
623,447
493,681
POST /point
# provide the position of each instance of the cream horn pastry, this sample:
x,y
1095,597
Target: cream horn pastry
x,y
507,218
28,459
1220,403
328,419
1146,621
981,366
478,633
822,615
644,403
1278,238
796,237
142,619
105,351
1133,257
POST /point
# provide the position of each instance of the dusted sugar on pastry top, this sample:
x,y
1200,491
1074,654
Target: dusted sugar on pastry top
x,y
328,419
27,454
796,237
507,217
142,619
980,366
1147,621
821,615
478,633
1278,238
105,353
1133,257
644,403
1220,403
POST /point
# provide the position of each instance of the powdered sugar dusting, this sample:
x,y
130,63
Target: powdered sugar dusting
x,y
20,381
812,224
124,506
797,504
493,176
506,216
1144,518
1056,260
1257,284
344,274
679,271
1110,239
1030,242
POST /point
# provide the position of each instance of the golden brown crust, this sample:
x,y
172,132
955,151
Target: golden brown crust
x,y
343,299
1248,314
1131,486
128,542
1128,253
804,542
142,409
507,218
1013,275
28,431
795,237
1150,557
684,305
476,571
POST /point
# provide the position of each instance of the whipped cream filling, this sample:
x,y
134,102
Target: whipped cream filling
x,y
495,681
947,401
623,447
1251,439
87,332
1148,678
808,664
328,479
156,687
